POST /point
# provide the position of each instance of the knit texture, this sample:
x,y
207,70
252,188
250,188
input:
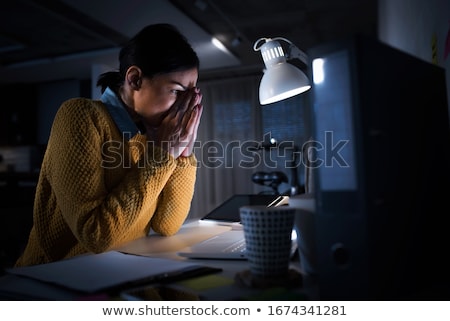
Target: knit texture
x,y
97,190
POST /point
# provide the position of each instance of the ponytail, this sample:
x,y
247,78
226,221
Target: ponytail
x,y
112,79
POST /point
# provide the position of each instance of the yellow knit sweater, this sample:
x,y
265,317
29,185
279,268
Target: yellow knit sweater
x,y
98,190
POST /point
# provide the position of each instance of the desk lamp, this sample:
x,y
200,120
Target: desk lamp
x,y
281,80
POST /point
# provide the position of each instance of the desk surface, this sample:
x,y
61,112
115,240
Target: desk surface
x,y
218,286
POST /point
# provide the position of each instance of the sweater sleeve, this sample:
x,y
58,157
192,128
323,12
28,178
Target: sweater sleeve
x,y
99,216
176,197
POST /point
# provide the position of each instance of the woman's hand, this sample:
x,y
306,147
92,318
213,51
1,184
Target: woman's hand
x,y
178,129
191,130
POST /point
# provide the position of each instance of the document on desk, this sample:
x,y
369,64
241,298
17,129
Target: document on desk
x,y
110,270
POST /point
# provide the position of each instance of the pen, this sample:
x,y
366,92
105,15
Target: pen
x,y
280,200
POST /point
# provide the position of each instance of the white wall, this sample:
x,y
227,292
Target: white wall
x,y
414,25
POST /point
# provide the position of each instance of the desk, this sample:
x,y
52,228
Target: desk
x,y
219,286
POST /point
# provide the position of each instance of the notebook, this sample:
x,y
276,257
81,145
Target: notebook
x,y
110,271
230,245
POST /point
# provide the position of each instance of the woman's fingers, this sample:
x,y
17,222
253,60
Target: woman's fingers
x,y
187,100
191,130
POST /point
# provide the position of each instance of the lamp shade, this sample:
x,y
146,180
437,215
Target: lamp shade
x,y
281,80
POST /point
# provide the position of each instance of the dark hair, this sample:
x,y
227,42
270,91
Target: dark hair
x,y
156,49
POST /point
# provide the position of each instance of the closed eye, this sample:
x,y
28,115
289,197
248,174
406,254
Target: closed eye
x,y
177,91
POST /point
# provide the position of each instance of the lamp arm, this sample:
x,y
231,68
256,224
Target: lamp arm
x,y
295,52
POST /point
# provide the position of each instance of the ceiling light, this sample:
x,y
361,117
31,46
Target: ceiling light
x,y
216,42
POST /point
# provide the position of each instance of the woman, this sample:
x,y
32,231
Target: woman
x,y
117,167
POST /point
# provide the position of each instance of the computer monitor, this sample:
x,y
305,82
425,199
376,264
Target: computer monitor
x,y
381,145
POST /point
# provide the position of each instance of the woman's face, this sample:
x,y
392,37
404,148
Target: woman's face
x,y
156,95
